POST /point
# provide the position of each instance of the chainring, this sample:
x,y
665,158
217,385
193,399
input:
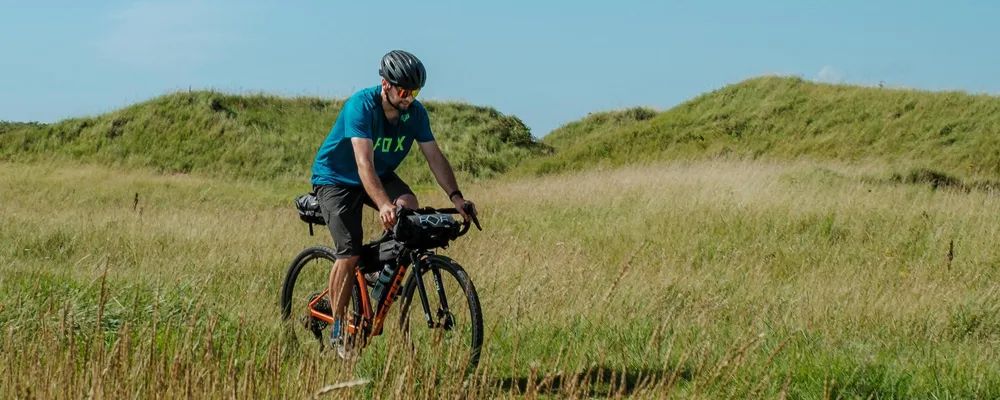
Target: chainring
x,y
313,324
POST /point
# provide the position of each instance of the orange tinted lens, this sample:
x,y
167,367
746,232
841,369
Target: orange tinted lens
x,y
406,93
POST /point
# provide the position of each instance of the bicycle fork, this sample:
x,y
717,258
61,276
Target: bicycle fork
x,y
442,313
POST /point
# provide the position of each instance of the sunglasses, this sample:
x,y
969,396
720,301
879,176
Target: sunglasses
x,y
404,93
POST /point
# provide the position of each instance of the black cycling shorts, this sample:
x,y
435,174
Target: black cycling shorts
x,y
341,207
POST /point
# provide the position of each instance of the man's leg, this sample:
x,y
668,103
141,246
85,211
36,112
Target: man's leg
x,y
341,209
342,284
399,191
408,201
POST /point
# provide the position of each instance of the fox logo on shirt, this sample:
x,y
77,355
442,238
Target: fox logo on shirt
x,y
383,145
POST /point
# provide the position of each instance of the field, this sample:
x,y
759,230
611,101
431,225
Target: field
x,y
702,279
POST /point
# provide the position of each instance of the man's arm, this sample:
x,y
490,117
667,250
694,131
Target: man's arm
x,y
364,156
440,166
442,170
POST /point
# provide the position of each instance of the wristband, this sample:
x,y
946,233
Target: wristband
x,y
452,194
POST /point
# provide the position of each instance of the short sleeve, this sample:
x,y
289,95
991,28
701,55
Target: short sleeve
x,y
356,121
424,134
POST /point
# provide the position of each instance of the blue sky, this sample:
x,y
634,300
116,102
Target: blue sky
x,y
548,62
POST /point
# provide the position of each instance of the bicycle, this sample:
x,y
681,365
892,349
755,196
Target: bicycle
x,y
408,247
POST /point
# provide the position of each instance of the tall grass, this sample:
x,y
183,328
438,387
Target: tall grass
x,y
693,280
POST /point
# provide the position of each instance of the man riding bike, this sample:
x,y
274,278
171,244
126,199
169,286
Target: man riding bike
x,y
356,165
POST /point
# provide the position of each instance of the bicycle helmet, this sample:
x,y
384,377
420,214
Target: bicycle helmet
x,y
403,69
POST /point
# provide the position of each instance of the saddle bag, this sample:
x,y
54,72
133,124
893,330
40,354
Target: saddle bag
x,y
309,210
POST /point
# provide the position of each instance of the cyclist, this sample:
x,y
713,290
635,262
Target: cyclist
x,y
356,162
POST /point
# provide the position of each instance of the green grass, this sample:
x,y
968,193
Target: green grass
x,y
256,137
782,118
701,279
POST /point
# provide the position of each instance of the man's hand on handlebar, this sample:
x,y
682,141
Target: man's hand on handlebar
x,y
470,209
387,213
392,215
461,205
467,209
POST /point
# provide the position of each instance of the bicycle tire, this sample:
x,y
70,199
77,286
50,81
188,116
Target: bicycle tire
x,y
303,258
472,298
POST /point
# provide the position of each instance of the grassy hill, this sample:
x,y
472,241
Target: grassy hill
x,y
910,135
596,125
255,137
9,126
783,118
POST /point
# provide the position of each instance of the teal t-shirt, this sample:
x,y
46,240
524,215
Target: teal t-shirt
x,y
363,117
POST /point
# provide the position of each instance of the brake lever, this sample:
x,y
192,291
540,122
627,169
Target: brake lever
x,y
469,209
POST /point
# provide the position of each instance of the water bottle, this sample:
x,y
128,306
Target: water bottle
x,y
382,286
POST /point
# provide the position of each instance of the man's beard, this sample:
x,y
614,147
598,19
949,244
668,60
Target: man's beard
x,y
394,105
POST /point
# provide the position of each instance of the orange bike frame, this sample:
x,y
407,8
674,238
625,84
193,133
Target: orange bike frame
x,y
369,318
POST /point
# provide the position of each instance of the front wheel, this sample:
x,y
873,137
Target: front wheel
x,y
447,319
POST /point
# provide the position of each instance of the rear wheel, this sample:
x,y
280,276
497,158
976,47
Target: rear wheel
x,y
308,276
440,312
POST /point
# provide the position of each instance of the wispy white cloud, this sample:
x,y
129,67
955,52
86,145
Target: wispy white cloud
x,y
167,34
830,74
